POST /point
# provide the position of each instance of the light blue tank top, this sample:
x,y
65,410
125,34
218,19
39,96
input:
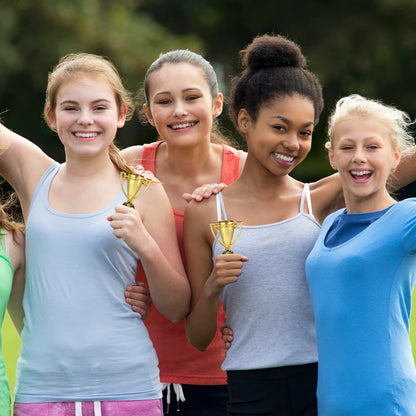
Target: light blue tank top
x,y
269,309
80,341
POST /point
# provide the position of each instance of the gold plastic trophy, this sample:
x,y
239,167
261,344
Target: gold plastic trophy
x,y
226,229
134,182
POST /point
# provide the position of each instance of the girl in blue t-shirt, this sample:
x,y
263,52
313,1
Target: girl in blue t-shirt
x,y
362,270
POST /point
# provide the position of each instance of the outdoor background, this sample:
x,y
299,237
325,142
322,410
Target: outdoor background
x,y
355,46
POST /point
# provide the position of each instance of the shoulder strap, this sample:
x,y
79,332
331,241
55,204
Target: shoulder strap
x,y
231,164
306,195
148,160
220,208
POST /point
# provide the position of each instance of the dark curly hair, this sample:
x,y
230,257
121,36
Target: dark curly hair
x,y
274,66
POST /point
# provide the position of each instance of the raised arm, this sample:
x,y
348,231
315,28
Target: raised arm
x,y
150,231
22,164
207,280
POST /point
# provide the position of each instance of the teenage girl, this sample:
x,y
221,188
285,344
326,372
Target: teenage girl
x,y
83,349
275,103
182,101
362,270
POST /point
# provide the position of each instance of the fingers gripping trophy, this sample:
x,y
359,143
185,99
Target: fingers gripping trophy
x,y
134,183
225,228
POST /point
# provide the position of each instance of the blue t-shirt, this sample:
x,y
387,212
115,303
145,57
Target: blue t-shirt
x,y
361,294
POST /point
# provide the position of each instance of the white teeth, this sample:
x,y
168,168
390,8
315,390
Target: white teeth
x,y
86,135
182,126
361,172
283,157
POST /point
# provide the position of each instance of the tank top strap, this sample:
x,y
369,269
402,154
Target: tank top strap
x,y
306,195
231,164
148,160
221,214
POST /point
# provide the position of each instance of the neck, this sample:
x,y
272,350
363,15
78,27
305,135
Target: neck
x,y
263,184
187,162
88,167
371,203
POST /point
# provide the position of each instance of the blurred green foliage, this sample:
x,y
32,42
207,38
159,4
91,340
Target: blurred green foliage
x,y
366,47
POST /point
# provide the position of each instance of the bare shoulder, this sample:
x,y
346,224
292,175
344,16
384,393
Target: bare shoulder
x,y
327,196
132,154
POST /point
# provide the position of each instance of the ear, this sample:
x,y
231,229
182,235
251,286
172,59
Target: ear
x,y
243,120
122,116
148,113
331,159
396,158
50,118
218,105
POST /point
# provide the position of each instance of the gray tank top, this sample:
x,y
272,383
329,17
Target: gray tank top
x,y
269,308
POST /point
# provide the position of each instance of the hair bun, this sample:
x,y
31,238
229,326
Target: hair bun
x,y
272,51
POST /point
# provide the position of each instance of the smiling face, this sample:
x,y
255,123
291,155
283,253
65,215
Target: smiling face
x,y
363,153
86,117
180,105
281,137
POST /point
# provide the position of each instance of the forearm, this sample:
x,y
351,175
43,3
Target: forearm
x,y
201,323
169,288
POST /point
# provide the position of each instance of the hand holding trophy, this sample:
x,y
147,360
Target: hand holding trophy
x,y
226,228
134,183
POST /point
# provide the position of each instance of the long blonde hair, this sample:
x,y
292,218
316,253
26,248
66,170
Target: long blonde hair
x,y
70,67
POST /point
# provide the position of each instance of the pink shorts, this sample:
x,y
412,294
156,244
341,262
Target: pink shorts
x,y
117,408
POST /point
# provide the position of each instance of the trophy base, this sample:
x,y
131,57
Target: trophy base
x,y
228,252
129,204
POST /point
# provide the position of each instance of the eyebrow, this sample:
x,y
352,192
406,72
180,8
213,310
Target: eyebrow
x,y
185,90
93,102
287,121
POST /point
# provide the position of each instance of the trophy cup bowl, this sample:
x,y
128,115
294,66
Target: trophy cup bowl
x,y
134,183
226,230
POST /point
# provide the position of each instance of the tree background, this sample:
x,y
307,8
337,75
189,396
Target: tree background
x,y
356,46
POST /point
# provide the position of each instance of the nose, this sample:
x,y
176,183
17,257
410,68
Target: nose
x,y
179,110
291,142
85,118
359,155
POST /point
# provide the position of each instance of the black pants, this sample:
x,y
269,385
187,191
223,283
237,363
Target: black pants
x,y
199,401
281,391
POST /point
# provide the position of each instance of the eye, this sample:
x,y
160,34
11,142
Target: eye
x,y
279,128
346,147
192,97
100,108
163,101
306,134
373,147
69,108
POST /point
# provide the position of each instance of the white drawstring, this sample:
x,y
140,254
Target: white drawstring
x,y
177,388
97,408
78,408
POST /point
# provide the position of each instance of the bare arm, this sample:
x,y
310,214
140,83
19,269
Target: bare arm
x,y
150,232
22,164
405,173
207,281
16,253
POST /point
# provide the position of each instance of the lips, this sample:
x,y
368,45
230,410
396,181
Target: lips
x,y
361,175
86,136
183,125
286,159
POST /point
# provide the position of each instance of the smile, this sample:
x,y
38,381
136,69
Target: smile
x,y
86,135
284,158
182,125
361,175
